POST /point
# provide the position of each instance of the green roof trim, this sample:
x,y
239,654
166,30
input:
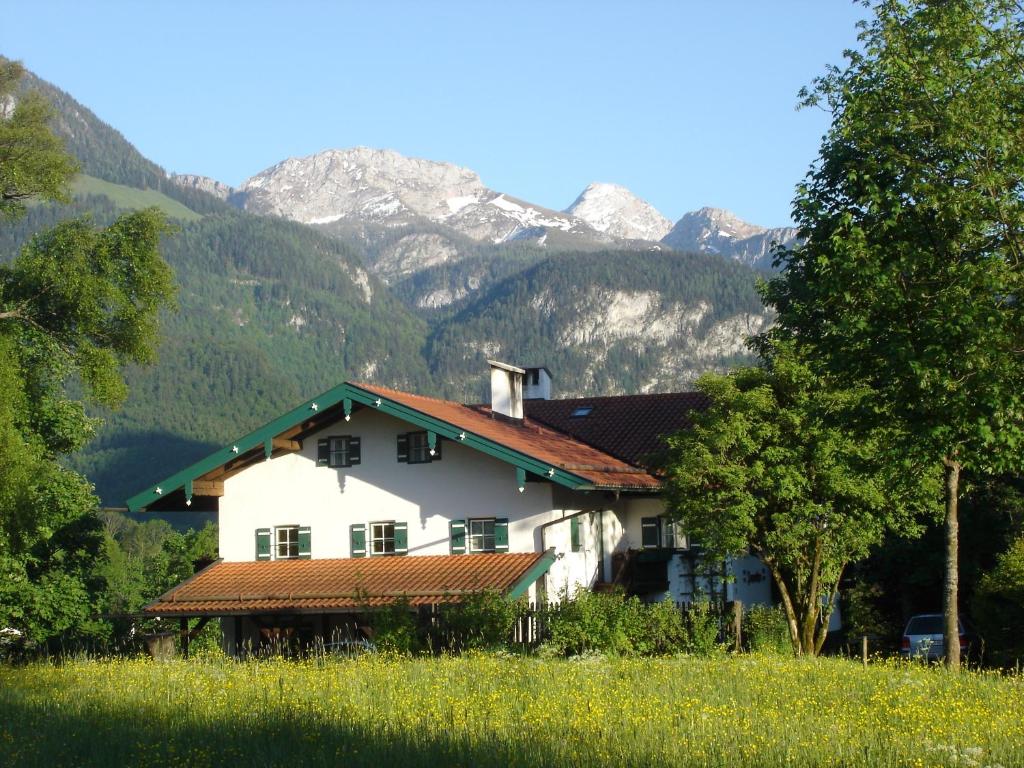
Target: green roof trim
x,y
538,569
350,393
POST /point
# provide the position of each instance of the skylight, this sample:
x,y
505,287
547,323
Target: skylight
x,y
583,410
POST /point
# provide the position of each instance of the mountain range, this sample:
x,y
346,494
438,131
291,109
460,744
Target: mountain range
x,y
364,264
362,191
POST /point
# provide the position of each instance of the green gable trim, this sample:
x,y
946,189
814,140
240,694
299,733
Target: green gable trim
x,y
349,393
255,439
542,566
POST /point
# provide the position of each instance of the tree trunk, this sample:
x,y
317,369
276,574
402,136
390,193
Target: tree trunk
x,y
788,607
951,623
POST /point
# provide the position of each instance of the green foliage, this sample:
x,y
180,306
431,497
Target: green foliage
x,y
613,624
768,469
33,161
909,275
766,630
395,628
143,560
482,621
999,607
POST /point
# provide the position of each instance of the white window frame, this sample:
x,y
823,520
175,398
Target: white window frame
x,y
383,539
291,542
672,531
483,535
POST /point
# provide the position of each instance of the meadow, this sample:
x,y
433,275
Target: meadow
x,y
481,710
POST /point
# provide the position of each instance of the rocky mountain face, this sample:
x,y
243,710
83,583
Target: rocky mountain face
x,y
362,186
203,184
713,230
615,211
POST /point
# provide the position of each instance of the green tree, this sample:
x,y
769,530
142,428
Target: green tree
x,y
33,162
909,275
767,469
76,306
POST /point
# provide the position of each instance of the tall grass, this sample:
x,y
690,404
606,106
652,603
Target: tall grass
x,y
507,711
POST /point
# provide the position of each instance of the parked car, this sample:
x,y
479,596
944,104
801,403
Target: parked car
x,y
923,638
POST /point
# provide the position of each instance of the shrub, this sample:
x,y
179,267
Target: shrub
x,y
395,628
702,629
655,629
590,621
766,630
482,621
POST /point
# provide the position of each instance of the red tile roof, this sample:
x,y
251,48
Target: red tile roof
x,y
533,439
630,427
343,584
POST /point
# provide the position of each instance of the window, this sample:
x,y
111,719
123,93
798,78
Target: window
x,y
481,535
662,533
286,540
338,451
386,538
414,448
382,538
583,410
672,536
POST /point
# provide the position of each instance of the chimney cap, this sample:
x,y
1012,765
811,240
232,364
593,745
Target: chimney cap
x,y
506,367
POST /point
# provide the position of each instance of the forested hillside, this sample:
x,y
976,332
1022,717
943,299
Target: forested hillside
x,y
271,311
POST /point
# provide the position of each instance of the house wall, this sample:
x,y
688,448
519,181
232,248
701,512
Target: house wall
x,y
292,490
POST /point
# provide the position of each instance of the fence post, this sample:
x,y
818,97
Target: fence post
x,y
864,649
737,624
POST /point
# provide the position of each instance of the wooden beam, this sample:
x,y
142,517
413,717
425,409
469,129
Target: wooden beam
x,y
208,487
282,444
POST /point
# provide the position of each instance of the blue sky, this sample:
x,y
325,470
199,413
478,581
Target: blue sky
x,y
687,103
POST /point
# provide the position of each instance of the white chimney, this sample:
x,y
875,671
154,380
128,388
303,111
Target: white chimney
x,y
506,389
538,384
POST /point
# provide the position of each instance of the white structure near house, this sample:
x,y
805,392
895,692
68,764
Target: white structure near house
x,y
365,495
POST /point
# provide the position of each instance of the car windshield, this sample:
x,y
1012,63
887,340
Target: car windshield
x,y
925,625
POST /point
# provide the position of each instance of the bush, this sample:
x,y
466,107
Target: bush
x,y
614,624
590,621
482,621
395,628
766,630
701,629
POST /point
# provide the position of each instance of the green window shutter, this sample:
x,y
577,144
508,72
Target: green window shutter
x,y
651,530
437,449
457,529
357,536
354,451
501,534
574,534
403,448
401,538
262,543
323,451
305,543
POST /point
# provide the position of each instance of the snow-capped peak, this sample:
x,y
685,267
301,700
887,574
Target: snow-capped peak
x,y
616,211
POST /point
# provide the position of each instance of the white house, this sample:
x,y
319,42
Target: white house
x,y
364,495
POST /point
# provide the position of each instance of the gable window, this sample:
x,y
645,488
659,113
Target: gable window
x,y
414,448
339,451
389,538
